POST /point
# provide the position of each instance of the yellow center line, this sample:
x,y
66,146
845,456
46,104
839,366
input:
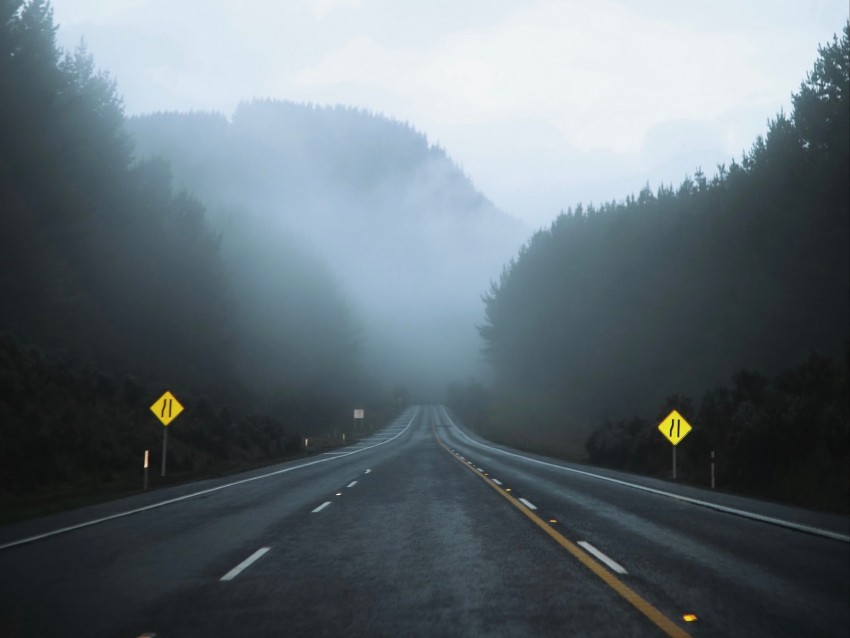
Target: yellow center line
x,y
638,602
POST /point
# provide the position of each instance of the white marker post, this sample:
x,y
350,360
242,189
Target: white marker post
x,y
147,459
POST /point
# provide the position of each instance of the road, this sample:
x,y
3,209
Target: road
x,y
424,529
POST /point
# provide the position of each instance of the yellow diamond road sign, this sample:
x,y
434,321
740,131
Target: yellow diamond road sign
x,y
166,408
674,427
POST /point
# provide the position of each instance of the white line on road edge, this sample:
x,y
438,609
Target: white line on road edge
x,y
352,484
496,481
321,507
608,561
694,501
528,504
233,573
96,521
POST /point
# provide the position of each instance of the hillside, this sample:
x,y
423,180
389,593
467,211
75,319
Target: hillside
x,y
617,307
404,231
115,287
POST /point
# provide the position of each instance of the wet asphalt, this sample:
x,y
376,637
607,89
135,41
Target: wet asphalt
x,y
399,536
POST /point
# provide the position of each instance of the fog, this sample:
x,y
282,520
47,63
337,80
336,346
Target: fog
x,y
341,241
538,105
544,103
374,210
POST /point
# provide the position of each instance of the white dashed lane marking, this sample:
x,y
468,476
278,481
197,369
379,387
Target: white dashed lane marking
x,y
527,503
602,557
233,573
321,507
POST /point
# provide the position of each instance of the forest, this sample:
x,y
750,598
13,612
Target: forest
x,y
402,229
621,311
278,267
116,287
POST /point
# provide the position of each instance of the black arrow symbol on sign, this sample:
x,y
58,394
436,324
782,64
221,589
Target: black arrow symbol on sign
x,y
676,423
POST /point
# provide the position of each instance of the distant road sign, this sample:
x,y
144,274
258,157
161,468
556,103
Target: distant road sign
x,y
359,414
674,427
166,408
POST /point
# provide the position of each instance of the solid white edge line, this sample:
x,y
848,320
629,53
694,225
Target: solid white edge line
x,y
352,484
599,555
70,528
694,501
321,507
233,573
527,503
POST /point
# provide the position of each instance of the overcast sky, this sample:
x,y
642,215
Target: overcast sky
x,y
544,103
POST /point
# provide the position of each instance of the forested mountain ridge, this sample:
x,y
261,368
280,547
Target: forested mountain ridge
x,y
402,228
616,307
250,290
115,287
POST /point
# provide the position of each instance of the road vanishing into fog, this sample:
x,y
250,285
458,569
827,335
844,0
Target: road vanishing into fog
x,y
424,529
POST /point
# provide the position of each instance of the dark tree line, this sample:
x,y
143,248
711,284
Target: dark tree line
x,y
107,271
68,427
101,260
617,306
785,438
390,214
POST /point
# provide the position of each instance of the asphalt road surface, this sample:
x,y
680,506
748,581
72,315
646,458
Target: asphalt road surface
x,y
426,530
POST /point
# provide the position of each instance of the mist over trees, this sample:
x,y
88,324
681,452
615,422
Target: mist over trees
x,y
296,260
82,224
617,306
115,286
293,261
404,232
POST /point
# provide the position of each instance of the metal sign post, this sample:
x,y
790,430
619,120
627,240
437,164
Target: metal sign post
x,y
165,449
166,409
674,462
674,428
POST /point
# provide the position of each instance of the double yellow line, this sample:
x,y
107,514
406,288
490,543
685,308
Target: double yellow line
x,y
637,601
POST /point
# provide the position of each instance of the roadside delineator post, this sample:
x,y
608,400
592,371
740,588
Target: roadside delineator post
x,y
145,480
